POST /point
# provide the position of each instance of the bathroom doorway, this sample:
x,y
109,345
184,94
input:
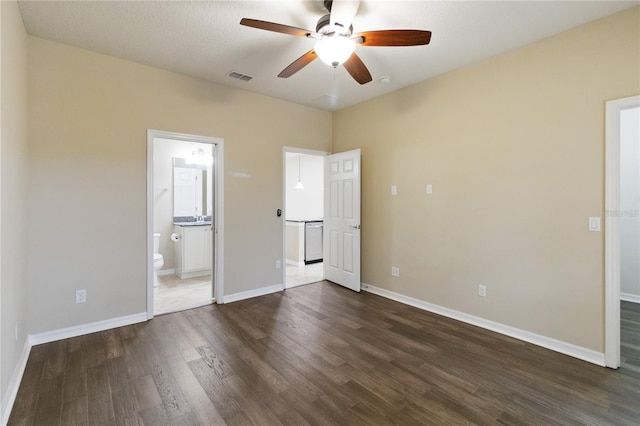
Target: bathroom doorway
x,y
303,216
184,216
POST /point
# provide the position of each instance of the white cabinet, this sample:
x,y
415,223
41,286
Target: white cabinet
x,y
295,242
193,251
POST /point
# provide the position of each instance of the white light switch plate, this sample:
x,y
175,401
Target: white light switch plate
x,y
594,224
429,189
394,190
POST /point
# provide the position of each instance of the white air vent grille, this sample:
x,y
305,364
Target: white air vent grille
x,y
239,76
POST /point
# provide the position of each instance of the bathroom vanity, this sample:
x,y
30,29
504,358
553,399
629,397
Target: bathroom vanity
x,y
193,256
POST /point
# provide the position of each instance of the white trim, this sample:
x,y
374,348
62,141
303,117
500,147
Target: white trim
x,y
252,293
164,272
294,263
194,274
612,236
218,146
150,281
539,340
628,297
80,330
14,384
286,149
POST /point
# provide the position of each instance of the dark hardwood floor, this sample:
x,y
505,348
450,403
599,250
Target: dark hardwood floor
x,y
630,337
320,355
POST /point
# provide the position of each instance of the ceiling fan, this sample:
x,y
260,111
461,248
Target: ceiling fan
x,y
336,41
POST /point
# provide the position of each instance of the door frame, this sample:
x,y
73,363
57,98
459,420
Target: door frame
x,y
218,210
294,150
612,237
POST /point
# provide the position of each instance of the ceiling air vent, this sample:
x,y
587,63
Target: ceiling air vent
x,y
239,76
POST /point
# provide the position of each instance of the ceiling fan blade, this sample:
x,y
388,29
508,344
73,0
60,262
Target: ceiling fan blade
x,y
272,26
394,37
298,64
343,12
357,69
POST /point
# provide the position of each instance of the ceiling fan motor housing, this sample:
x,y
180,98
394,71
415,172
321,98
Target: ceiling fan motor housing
x,y
324,27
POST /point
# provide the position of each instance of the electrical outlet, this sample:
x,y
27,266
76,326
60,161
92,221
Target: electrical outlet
x,y
482,290
278,264
81,296
395,271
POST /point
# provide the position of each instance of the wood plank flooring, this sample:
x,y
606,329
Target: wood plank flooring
x,y
318,355
630,336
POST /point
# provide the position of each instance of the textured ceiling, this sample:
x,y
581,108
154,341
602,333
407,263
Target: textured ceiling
x,y
205,40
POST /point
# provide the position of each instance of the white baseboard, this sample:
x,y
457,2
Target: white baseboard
x,y
252,293
14,384
186,275
79,330
579,352
628,297
163,272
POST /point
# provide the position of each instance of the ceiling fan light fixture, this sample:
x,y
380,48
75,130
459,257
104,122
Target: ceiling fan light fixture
x,y
334,50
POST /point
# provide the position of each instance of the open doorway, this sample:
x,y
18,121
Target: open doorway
x,y
622,238
629,222
184,221
304,216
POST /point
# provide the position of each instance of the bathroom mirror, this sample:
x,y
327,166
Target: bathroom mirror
x,y
190,184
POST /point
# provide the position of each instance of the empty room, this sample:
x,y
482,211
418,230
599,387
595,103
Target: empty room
x,y
319,212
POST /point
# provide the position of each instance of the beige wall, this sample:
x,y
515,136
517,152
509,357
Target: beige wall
x,y
514,148
13,187
88,119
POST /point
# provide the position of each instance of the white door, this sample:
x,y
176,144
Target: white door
x,y
187,192
342,219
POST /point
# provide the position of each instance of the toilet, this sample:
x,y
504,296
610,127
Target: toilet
x,y
158,260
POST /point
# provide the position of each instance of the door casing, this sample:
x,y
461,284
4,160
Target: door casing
x,y
612,236
218,210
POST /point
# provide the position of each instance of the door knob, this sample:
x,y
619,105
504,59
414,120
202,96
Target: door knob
x,y
354,226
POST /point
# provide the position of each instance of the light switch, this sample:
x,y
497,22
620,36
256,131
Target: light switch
x,y
594,224
429,189
394,190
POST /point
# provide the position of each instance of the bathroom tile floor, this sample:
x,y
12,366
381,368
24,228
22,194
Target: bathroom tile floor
x,y
305,274
174,294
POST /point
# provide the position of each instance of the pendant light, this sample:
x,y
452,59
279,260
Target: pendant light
x,y
299,185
